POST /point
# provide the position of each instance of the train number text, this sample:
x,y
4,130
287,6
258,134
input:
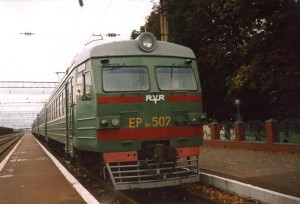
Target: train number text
x,y
135,122
162,121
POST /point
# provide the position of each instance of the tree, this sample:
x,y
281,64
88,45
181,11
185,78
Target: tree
x,y
246,49
270,57
152,24
134,34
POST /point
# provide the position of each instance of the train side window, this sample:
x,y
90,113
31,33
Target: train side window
x,y
84,87
52,111
59,106
48,113
79,86
88,83
56,108
62,104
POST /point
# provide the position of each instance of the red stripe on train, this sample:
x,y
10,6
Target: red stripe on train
x,y
187,151
111,157
141,99
184,98
131,156
148,133
120,99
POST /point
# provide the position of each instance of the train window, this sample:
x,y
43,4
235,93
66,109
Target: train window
x,y
176,78
59,105
52,111
62,104
56,108
84,85
81,67
125,79
79,86
88,83
48,113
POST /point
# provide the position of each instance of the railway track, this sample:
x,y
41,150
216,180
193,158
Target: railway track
x,y
6,141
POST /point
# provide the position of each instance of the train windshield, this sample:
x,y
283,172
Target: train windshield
x,y
176,78
125,79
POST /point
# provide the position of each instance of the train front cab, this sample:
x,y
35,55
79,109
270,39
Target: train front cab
x,y
150,120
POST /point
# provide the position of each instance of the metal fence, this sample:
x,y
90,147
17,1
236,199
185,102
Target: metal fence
x,y
255,131
288,130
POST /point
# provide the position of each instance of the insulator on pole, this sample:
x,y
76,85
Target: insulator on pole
x,y
80,3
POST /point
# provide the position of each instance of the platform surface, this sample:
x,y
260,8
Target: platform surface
x,y
279,172
30,176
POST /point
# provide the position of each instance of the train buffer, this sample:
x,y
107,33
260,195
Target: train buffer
x,y
29,175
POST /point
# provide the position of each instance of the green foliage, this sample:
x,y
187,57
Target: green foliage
x,y
247,49
134,34
152,25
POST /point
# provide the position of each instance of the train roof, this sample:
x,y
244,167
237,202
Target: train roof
x,y
132,48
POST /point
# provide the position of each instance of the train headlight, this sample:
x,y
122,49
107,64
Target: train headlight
x,y
104,122
147,42
109,122
115,122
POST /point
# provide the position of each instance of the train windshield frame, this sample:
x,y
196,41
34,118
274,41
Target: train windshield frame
x,y
117,79
176,78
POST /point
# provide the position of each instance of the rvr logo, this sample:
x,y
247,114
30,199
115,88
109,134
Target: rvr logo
x,y
155,98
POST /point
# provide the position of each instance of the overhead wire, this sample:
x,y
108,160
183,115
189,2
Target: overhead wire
x,y
67,44
104,14
98,24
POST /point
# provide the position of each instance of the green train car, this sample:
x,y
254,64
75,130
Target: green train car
x,y
132,107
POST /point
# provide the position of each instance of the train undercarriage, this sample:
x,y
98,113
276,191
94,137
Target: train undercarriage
x,y
156,165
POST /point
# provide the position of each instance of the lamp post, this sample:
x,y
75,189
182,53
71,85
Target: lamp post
x,y
238,103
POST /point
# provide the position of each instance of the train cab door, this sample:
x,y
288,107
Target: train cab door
x,y
70,133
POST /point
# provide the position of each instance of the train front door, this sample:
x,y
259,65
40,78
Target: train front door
x,y
69,118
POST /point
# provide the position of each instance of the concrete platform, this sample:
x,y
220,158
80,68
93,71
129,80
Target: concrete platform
x,y
32,175
266,176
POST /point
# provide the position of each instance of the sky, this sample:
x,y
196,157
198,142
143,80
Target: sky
x,y
61,28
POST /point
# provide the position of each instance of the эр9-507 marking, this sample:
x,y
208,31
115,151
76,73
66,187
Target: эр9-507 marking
x,y
131,108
